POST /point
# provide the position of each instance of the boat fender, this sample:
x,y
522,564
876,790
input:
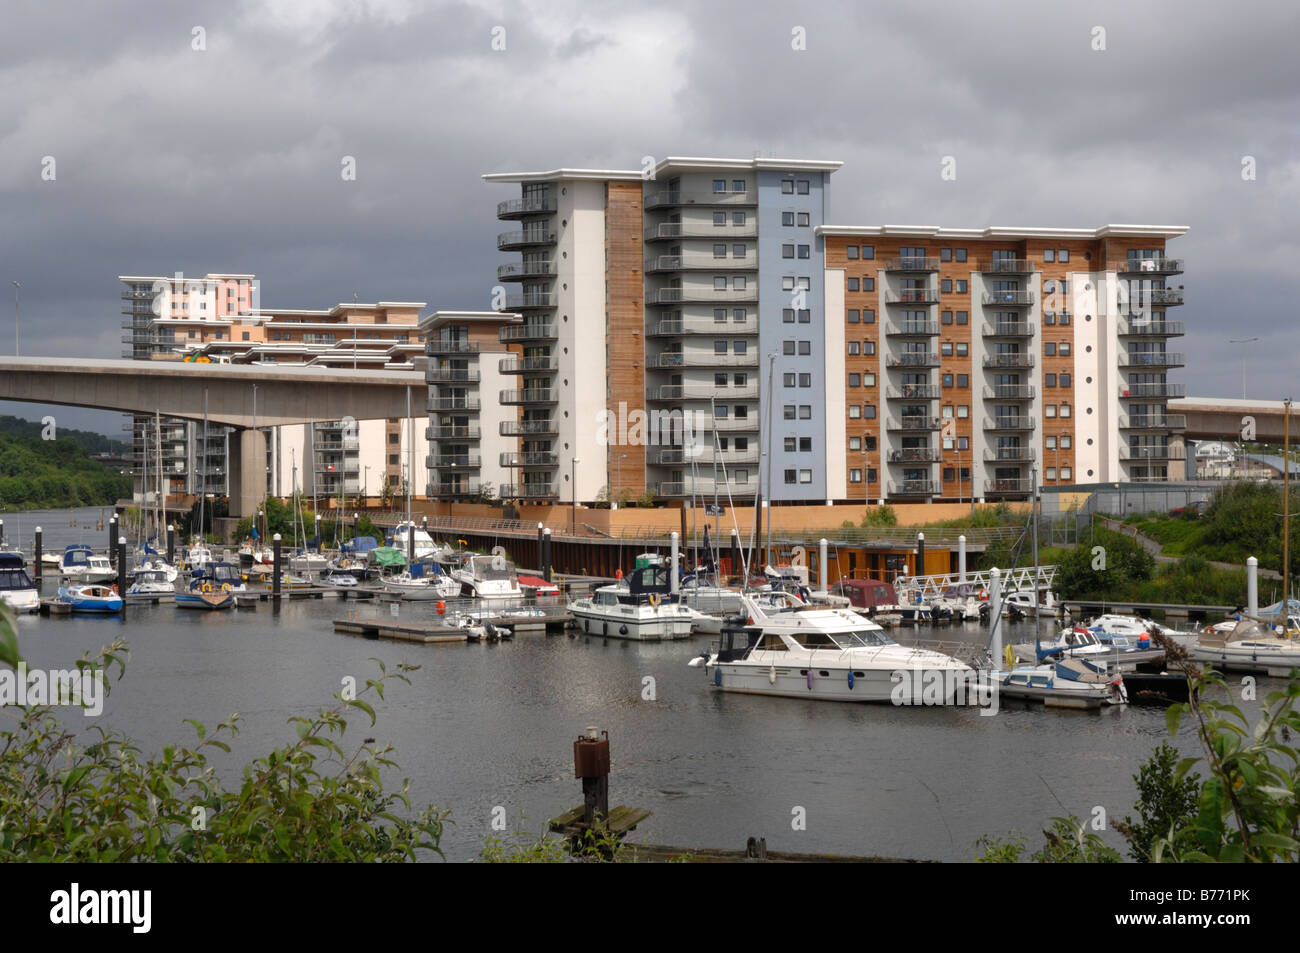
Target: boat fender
x,y
984,595
717,677
490,629
441,607
850,681
1010,655
653,599
771,675
810,679
622,630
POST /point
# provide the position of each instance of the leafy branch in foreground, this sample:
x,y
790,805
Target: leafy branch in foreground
x,y
95,797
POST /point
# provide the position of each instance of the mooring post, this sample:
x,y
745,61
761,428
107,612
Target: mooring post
x,y
920,555
36,560
995,615
171,544
822,581
546,554
736,568
2,532
961,558
591,764
275,570
121,571
675,548
539,547
112,540
1252,590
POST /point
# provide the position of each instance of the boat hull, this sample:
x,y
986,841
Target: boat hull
x,y
205,600
657,628
878,686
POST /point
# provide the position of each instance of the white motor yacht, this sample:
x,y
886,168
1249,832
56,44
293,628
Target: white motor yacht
x,y
151,582
80,564
1068,683
17,590
1250,646
639,607
797,650
491,578
425,547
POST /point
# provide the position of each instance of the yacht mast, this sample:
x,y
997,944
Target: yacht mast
x,y
203,470
162,497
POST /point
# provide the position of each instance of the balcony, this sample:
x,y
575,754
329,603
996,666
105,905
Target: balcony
x,y
527,238
912,329
1010,392
702,454
529,205
529,301
1008,299
1129,391
913,392
1137,327
1152,422
913,296
1009,360
914,455
518,271
701,295
1153,453
443,404
528,428
678,359
1009,329
528,365
1009,454
913,488
453,460
912,423
433,347
454,489
727,424
1164,297
538,458
699,263
1152,359
529,396
674,231
701,391
1008,266
528,332
1148,266
451,375
673,328
911,264
1009,423
668,199
526,491
912,359
464,432
706,486
1008,487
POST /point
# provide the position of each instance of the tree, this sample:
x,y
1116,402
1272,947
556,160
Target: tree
x,y
1166,802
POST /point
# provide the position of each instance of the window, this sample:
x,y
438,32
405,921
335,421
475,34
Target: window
x,y
788,379
855,380
852,316
868,315
959,254
963,443
787,251
737,185
1065,380
719,283
1049,411
946,317
738,283
719,380
1065,441
719,251
720,411
963,380
719,218
742,444
947,380
788,411
805,444
737,251
740,476
804,251
1049,349
805,348
719,315
719,347
855,476
787,347
854,348
805,411
963,286
805,476
740,315
737,218
963,411
947,412
1064,318
853,282
245,336
789,444
805,316
868,284
740,380
803,187
949,474
868,251
1063,254
1063,349
789,476
963,317
1066,473
719,185
805,380
868,380
1049,380
1049,256
945,348
787,315
787,186
869,348
1050,474
963,349
1050,443
869,411
851,252
787,218
804,219
945,254
945,286
739,347
1049,317
855,412
1065,410
855,443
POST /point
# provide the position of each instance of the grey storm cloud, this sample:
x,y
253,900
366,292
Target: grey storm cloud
x,y
228,158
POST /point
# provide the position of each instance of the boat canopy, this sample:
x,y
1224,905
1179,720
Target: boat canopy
x,y
387,556
361,544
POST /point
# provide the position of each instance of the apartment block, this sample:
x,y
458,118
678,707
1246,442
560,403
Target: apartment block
x,y
970,356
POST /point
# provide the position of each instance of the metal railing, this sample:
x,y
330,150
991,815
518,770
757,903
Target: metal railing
x,y
529,205
1009,392
914,488
996,487
1010,423
528,428
536,395
702,294
536,458
1010,299
521,238
1008,266
469,432
671,231
529,332
912,329
1009,329
1009,454
1009,360
913,392
911,263
1152,421
915,455
528,365
434,346
517,271
529,300
913,296
451,375
1153,452
699,197
1152,359
451,403
1152,390
674,328
912,423
1133,327
912,359
1148,266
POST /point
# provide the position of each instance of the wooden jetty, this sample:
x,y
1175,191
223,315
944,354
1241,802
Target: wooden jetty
x,y
427,633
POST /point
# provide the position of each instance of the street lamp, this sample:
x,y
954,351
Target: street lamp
x,y
1243,360
573,515
17,286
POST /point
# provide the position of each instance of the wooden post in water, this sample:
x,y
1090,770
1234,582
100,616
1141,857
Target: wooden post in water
x,y
36,559
171,543
591,764
546,554
540,554
112,540
2,532
275,570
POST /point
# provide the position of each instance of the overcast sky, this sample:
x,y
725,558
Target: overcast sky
x,y
228,158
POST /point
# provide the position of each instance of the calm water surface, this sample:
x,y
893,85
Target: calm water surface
x,y
482,726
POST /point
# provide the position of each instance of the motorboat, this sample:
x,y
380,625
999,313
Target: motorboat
x,y
413,583
641,606
1119,654
489,578
1067,683
199,599
1249,646
706,598
151,582
796,650
537,587
213,587
1023,603
91,599
157,563
338,579
306,561
80,564
17,590
198,556
425,547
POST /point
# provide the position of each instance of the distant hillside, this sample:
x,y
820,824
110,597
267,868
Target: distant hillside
x,y
90,442
41,474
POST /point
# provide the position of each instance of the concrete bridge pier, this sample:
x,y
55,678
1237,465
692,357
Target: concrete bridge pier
x,y
246,471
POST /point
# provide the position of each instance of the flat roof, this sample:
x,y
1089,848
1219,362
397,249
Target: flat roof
x,y
994,232
439,318
668,164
